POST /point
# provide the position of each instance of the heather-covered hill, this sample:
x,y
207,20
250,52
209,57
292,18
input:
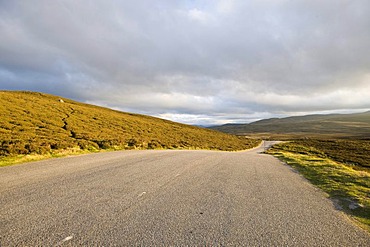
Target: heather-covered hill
x,y
37,123
356,125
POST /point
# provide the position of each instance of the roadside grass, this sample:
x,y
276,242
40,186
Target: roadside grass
x,y
348,188
23,158
353,153
36,126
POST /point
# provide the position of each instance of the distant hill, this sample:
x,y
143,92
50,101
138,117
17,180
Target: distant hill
x,y
37,123
331,125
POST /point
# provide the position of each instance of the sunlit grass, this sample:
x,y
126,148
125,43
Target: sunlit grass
x,y
18,159
40,125
347,187
353,153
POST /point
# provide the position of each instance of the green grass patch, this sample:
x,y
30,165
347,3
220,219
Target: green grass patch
x,y
352,153
347,187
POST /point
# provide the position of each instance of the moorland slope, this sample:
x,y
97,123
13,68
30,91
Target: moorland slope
x,y
37,123
355,125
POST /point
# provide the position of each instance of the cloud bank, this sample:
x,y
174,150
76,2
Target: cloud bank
x,y
198,62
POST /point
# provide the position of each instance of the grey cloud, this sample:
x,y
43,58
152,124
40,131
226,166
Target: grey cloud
x,y
222,60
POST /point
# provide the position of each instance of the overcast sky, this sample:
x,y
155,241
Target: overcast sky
x,y
197,62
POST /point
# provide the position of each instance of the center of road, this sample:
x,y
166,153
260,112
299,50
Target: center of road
x,y
167,198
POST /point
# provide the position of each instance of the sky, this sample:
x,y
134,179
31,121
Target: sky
x,y
200,62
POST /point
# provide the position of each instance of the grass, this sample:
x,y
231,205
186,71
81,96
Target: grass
x,y
18,159
35,125
349,188
353,153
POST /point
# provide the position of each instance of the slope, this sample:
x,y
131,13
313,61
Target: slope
x,y
333,125
36,123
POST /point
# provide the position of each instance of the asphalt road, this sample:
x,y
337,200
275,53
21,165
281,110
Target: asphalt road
x,y
167,198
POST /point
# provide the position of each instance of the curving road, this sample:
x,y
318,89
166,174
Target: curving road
x,y
167,198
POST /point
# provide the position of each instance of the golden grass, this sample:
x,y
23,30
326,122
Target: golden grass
x,y
40,124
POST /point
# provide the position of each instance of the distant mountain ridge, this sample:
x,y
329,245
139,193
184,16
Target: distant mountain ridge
x,y
338,125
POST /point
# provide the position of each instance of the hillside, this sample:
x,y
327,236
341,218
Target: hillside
x,y
36,123
333,125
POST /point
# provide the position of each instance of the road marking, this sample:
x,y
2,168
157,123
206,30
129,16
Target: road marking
x,y
67,238
141,194
64,240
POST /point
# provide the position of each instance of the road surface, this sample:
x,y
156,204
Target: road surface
x,y
167,198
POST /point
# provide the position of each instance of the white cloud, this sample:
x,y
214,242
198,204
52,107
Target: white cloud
x,y
224,60
198,15
226,6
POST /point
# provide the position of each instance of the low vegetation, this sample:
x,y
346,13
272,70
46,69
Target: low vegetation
x,y
338,167
352,153
40,125
356,125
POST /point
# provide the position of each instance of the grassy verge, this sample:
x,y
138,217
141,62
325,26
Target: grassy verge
x,y
348,188
23,158
353,153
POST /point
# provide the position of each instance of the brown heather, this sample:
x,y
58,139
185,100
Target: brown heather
x,y
350,152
